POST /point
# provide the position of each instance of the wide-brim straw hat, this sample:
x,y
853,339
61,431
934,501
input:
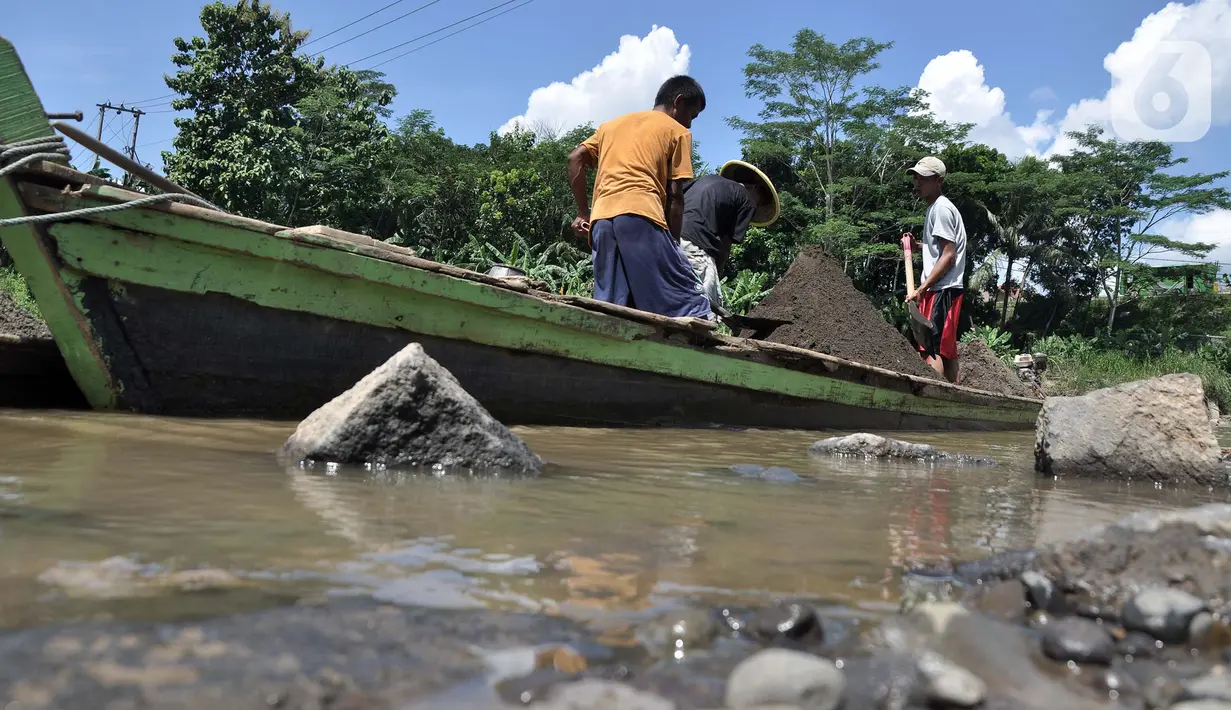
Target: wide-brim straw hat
x,y
740,171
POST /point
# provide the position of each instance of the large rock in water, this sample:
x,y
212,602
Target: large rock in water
x,y
878,447
409,412
1150,430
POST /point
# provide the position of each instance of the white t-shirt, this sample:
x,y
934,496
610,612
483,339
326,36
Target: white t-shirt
x,y
944,222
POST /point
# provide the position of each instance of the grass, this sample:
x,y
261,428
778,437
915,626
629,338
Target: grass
x,y
14,284
1081,370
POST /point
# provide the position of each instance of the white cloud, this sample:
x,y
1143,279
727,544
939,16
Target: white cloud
x,y
958,93
1209,228
961,93
1044,95
626,80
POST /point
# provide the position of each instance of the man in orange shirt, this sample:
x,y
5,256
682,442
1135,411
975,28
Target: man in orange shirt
x,y
643,161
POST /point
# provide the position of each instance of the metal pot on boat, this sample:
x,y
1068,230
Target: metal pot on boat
x,y
504,271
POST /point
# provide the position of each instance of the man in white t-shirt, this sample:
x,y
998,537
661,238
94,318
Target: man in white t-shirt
x,y
944,265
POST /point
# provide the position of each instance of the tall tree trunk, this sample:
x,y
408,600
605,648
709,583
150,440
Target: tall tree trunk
x,y
1113,300
828,187
1055,306
1008,281
1022,289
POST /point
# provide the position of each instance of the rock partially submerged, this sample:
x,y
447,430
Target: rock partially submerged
x,y
409,412
1155,570
873,446
120,577
1154,430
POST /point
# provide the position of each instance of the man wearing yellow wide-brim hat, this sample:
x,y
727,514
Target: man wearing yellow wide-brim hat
x,y
718,209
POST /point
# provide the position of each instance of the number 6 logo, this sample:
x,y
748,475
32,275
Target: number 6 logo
x,y
1168,97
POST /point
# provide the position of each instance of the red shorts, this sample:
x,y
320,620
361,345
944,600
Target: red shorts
x,y
943,308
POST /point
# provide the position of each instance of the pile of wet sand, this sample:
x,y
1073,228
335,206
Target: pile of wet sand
x,y
15,320
978,367
831,316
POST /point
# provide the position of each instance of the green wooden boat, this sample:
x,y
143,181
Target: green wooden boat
x,y
178,309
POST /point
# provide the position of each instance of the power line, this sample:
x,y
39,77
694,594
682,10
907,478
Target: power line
x,y
441,39
383,24
361,19
164,140
429,34
1184,261
146,101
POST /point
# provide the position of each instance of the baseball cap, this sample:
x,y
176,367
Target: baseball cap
x,y
928,166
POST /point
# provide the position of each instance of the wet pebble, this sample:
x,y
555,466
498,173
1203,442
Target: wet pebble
x,y
1209,632
785,677
774,474
1159,682
1215,685
1201,705
1040,591
679,632
1004,600
531,688
1001,567
1138,644
1116,684
948,684
1162,612
1076,639
602,695
886,680
793,621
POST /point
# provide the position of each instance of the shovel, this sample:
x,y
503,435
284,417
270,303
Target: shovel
x,y
760,327
923,328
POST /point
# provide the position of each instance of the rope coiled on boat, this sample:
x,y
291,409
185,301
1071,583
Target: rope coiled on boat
x,y
28,151
54,148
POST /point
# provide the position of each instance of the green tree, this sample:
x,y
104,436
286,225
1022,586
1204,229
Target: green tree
x,y
1131,195
836,146
339,176
242,81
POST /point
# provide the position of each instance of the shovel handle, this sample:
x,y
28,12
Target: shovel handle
x,y
907,239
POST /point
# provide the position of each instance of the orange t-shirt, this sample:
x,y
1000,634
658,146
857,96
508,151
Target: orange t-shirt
x,y
637,154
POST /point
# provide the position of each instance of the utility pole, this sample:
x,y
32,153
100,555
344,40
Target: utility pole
x,y
130,149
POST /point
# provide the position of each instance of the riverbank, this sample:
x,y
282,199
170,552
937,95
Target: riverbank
x,y
13,285
1076,366
32,370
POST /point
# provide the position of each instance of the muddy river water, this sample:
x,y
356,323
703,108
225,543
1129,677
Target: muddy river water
x,y
624,523
625,520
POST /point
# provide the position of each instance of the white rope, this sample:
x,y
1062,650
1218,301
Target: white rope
x,y
53,148
103,209
28,151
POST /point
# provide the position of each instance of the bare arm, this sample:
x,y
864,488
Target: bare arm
x,y
948,255
579,161
675,207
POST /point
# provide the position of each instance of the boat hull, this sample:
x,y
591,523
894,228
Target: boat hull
x,y
214,354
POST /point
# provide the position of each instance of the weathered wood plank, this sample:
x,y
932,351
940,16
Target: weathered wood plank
x,y
397,299
22,117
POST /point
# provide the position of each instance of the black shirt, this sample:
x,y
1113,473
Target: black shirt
x,y
716,210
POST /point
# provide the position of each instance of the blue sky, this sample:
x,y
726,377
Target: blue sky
x,y
1044,55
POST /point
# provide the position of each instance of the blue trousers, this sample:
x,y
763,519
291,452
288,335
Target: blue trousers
x,y
638,264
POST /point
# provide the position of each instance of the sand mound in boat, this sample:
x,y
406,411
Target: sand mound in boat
x,y
831,316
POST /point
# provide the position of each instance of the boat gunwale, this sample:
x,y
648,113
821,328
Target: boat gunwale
x,y
779,355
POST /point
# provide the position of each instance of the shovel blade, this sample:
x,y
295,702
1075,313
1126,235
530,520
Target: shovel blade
x,y
923,329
